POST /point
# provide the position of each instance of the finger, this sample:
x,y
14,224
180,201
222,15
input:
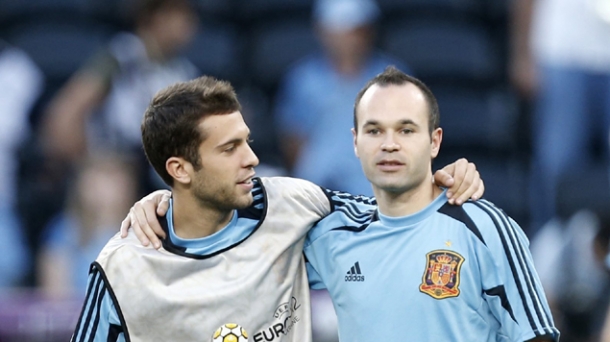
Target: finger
x,y
467,187
151,209
459,172
443,178
469,193
146,218
125,226
137,230
481,189
163,205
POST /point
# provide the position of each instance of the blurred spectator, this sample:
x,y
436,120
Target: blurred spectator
x,y
101,107
561,59
103,103
105,186
20,86
570,257
314,108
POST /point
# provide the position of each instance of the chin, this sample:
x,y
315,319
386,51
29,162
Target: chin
x,y
244,202
394,189
392,186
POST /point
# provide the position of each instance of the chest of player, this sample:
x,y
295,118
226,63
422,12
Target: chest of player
x,y
426,284
164,296
413,271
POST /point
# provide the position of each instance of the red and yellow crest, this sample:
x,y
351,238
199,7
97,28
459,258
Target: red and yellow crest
x,y
442,275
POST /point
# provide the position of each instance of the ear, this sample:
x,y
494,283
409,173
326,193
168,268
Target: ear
x,y
436,139
355,134
179,169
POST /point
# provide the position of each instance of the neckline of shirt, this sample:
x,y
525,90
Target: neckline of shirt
x,y
206,243
409,220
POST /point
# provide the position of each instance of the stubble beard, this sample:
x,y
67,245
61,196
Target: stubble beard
x,y
220,198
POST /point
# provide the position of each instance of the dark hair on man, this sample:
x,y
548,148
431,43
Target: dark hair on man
x,y
170,127
392,76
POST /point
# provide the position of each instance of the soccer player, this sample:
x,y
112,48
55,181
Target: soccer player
x,y
233,261
415,267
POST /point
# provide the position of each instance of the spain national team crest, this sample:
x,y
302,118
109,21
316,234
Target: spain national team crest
x,y
442,275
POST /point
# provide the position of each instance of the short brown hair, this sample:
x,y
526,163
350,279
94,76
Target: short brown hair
x,y
170,124
392,76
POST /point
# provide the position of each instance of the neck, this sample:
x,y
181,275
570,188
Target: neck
x,y
398,204
193,219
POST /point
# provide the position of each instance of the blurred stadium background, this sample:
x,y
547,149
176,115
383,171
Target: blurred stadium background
x,y
460,48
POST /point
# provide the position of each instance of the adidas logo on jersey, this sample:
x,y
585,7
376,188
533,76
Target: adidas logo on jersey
x,y
354,273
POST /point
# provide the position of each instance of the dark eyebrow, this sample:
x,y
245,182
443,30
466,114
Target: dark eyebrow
x,y
408,122
234,141
402,122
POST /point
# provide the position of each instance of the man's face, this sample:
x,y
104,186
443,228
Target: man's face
x,y
393,141
225,178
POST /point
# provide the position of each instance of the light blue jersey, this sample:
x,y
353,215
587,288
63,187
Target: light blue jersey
x,y
446,273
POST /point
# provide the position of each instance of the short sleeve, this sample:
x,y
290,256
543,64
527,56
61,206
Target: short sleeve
x,y
510,283
315,281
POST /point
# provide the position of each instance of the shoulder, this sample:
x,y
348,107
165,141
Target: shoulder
x,y
342,199
289,186
292,191
493,223
350,214
118,246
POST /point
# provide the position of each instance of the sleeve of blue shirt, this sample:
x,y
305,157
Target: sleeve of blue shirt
x,y
315,281
346,210
99,320
511,286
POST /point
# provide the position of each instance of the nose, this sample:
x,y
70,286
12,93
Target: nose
x,y
250,160
389,144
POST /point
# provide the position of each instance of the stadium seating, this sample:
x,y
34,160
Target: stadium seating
x,y
482,119
215,8
275,46
444,50
215,51
443,7
266,10
59,49
584,190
